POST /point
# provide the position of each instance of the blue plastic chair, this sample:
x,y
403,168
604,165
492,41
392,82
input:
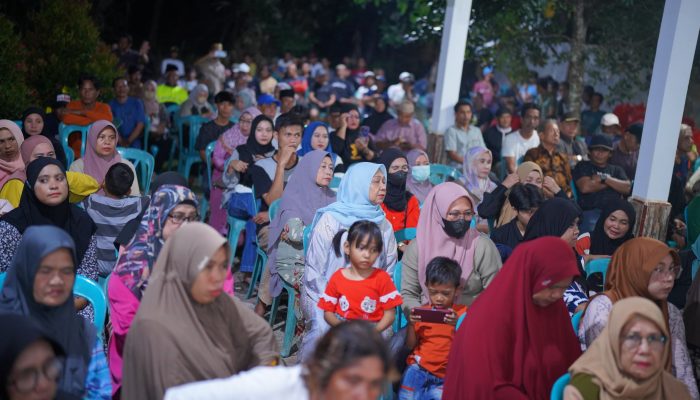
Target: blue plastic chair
x,y
307,237
335,183
2,279
440,173
400,320
558,387
597,265
405,234
64,132
188,155
574,191
208,152
576,321
144,163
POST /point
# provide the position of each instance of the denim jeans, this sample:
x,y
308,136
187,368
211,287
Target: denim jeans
x,y
419,384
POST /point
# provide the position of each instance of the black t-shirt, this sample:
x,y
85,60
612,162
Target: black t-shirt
x,y
209,132
507,234
589,201
347,150
322,91
493,138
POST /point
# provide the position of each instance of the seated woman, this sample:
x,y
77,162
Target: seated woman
x,y
101,153
316,137
647,268
443,231
186,329
170,207
306,192
350,361
80,185
517,339
525,199
629,359
26,351
476,169
361,192
39,284
400,206
34,124
418,181
11,165
350,141
198,103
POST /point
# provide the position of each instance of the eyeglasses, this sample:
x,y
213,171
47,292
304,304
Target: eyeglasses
x,y
179,218
26,380
660,272
633,341
453,215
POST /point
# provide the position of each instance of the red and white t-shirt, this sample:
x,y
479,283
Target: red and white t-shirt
x,y
364,300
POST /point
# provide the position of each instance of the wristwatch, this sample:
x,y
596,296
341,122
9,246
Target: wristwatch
x,y
603,177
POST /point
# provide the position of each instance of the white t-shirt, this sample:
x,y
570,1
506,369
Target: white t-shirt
x,y
516,146
258,383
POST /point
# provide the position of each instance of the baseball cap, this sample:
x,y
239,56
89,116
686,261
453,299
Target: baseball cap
x,y
609,119
406,77
62,98
265,99
242,67
367,74
601,141
487,70
571,117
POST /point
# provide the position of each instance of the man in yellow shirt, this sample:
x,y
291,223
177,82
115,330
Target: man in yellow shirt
x,y
170,92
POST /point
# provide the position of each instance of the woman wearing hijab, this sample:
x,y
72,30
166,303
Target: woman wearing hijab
x,y
11,165
443,231
517,339
476,169
306,192
169,208
101,153
160,124
26,347
39,284
614,227
379,115
197,103
400,206
316,137
418,181
627,359
186,329
244,102
224,148
79,185
360,194
646,268
350,142
34,123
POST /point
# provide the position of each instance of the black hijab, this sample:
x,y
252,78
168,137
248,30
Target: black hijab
x,y
69,217
33,110
396,195
601,244
553,218
47,131
377,119
71,331
252,148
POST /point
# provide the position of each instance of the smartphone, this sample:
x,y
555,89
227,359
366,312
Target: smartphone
x,y
431,314
364,131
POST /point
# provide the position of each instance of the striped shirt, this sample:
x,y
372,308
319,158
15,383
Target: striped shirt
x,y
110,215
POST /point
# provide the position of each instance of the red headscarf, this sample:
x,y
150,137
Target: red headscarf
x,y
508,347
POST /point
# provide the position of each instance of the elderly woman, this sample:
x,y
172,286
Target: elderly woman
x,y
647,268
361,192
628,359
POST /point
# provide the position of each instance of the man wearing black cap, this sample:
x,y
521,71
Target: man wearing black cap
x,y
626,151
570,144
597,181
169,92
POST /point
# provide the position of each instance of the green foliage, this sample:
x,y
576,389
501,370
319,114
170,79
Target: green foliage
x,y
13,86
63,42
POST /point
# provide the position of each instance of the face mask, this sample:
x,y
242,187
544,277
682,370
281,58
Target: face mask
x,y
398,178
148,95
201,99
456,229
420,173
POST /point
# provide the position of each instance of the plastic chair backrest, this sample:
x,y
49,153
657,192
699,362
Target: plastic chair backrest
x,y
440,173
144,163
400,320
574,191
307,237
146,133
64,132
272,210
576,321
597,265
2,279
209,151
195,123
558,387
335,183
405,234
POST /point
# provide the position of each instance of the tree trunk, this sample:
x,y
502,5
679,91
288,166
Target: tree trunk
x,y
577,59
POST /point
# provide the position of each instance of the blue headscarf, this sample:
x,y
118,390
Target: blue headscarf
x,y
306,140
353,196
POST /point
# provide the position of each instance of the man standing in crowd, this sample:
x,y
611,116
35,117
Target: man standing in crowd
x,y
484,87
626,151
211,68
590,119
175,60
129,112
461,136
555,166
573,146
404,131
402,91
493,137
517,143
170,92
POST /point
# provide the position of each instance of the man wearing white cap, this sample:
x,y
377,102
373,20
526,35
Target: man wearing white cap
x,y
610,126
402,91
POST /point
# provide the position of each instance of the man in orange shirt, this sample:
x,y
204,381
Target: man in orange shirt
x,y
86,110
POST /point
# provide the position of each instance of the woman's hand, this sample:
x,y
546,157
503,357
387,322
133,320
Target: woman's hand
x,y
238,166
551,185
261,217
510,180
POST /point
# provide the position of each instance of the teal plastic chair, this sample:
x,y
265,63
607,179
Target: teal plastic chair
x,y
405,234
307,237
291,320
574,191
208,152
335,183
144,163
188,155
19,123
440,173
2,280
261,259
103,282
400,320
576,321
558,387
64,132
597,265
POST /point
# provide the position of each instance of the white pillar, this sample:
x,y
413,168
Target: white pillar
x,y
449,77
669,86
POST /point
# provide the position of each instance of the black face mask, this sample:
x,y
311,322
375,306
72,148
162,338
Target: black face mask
x,y
398,178
456,229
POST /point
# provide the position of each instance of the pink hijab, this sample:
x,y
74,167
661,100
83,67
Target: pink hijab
x,y
233,137
96,165
12,169
28,146
432,239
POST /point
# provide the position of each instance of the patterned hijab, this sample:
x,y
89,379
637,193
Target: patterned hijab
x,y
96,165
234,137
134,265
475,185
12,169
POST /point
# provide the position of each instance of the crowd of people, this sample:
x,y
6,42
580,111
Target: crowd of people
x,y
403,282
